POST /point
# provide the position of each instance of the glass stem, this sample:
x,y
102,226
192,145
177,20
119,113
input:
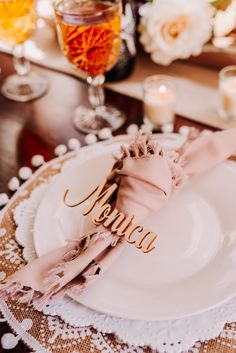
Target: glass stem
x,y
96,93
21,64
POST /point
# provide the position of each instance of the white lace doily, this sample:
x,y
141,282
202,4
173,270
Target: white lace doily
x,y
165,336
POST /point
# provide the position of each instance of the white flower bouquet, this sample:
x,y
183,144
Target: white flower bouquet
x,y
178,29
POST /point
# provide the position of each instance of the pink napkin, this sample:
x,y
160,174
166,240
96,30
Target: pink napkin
x,y
146,176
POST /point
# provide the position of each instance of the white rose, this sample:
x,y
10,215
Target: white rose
x,y
175,29
225,21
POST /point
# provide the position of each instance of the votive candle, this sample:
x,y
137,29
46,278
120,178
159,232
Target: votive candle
x,y
159,100
227,89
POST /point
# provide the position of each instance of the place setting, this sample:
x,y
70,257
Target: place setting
x,y
149,289
116,236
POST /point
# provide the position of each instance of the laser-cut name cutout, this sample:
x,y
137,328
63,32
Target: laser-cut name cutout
x,y
117,222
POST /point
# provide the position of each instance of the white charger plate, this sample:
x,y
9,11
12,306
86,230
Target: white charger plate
x,y
193,266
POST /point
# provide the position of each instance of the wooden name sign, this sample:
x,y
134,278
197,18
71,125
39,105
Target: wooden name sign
x,y
117,222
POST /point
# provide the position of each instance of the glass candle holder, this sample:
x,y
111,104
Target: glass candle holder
x,y
227,89
159,100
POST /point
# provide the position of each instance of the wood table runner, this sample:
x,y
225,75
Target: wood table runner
x,y
196,86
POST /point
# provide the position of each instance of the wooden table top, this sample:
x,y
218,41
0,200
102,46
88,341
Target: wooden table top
x,y
39,126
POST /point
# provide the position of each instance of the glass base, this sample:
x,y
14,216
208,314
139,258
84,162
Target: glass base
x,y
149,124
92,121
157,125
24,88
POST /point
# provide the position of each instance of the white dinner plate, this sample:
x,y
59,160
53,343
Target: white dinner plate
x,y
193,267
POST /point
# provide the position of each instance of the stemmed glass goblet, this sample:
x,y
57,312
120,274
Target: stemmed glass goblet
x,y
17,22
89,35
